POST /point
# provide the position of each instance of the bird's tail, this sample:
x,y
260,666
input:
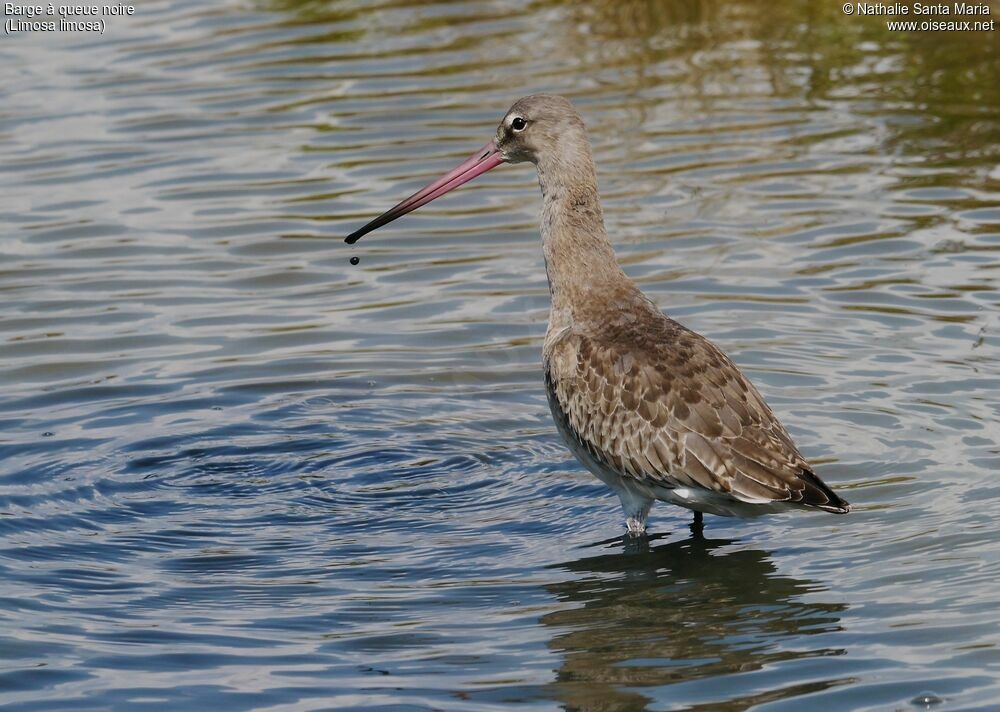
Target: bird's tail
x,y
818,495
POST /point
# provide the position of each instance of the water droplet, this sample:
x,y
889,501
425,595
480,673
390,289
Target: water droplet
x,y
355,260
926,699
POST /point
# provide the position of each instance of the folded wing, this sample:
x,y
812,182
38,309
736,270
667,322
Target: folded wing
x,y
660,403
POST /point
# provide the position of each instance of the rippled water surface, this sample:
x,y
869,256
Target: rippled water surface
x,y
237,472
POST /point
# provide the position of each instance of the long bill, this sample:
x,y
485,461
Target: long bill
x,y
478,163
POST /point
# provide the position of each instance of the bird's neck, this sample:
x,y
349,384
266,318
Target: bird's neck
x,y
582,270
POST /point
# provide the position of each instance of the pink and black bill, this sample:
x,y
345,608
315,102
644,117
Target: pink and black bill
x,y
478,163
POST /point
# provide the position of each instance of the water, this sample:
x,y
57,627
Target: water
x,y
236,472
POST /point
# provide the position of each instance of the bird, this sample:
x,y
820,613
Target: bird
x,y
653,409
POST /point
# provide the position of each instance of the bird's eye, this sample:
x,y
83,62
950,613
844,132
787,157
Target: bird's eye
x,y
518,123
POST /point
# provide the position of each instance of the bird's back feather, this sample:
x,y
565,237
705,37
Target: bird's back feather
x,y
660,404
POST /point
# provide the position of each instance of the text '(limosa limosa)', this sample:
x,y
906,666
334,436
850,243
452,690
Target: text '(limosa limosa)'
x,y
653,409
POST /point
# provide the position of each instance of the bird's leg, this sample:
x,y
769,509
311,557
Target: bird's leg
x,y
636,507
698,524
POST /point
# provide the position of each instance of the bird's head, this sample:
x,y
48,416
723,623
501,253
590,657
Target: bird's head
x,y
538,125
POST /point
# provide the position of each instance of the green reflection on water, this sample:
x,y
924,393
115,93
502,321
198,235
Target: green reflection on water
x,y
940,87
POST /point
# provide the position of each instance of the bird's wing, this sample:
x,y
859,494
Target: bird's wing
x,y
662,404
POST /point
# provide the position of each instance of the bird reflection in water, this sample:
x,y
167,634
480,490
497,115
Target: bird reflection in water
x,y
648,615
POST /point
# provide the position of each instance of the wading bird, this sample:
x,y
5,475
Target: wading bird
x,y
653,409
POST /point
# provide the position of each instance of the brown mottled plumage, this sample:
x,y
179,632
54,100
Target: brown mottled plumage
x,y
653,409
